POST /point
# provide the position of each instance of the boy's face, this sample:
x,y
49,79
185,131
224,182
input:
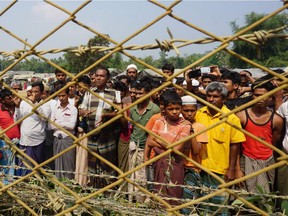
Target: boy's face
x,y
168,72
189,112
63,97
229,85
37,92
206,82
173,111
61,76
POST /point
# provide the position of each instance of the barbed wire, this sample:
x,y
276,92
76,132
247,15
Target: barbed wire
x,y
33,193
256,38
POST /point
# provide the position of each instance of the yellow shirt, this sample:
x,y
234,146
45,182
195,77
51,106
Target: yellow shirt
x,y
219,139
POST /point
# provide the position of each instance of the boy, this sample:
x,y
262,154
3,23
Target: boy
x,y
196,149
172,128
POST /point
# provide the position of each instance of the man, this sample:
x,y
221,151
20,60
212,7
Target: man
x,y
49,132
266,125
131,72
223,140
232,81
207,78
132,91
7,108
103,142
92,76
140,113
65,116
16,85
32,128
246,78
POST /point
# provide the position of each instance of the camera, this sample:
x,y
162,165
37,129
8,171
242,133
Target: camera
x,y
198,72
195,73
205,69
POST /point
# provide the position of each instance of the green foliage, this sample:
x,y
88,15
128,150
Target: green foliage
x,y
75,63
273,50
116,61
265,203
284,207
4,63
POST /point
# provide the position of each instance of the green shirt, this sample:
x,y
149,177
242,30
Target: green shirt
x,y
138,135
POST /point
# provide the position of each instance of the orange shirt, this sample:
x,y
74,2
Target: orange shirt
x,y
150,125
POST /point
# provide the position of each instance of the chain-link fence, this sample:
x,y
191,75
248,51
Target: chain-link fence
x,y
41,193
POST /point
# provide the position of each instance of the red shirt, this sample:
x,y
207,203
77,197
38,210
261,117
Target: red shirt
x,y
126,133
253,148
5,121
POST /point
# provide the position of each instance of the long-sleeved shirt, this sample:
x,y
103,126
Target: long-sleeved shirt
x,y
32,128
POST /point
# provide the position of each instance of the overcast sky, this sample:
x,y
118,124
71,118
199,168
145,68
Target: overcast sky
x,y
32,20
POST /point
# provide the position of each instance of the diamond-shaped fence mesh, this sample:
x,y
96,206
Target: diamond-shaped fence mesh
x,y
41,193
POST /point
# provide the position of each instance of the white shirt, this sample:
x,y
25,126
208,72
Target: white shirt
x,y
72,101
283,112
65,118
32,128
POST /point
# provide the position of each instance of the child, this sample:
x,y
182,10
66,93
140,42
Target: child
x,y
198,150
169,168
148,152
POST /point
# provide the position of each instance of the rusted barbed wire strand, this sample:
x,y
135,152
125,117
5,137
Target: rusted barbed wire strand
x,y
81,49
256,38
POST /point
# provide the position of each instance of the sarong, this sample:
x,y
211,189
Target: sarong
x,y
65,162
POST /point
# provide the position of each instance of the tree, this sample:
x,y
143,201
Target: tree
x,y
76,63
149,60
162,59
116,61
220,58
4,63
270,52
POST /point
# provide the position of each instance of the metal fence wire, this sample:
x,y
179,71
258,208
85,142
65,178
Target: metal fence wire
x,y
41,193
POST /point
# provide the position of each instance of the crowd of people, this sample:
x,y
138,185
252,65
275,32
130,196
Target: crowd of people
x,y
147,128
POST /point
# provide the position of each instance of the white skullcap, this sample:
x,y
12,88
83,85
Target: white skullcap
x,y
188,100
132,66
46,87
29,88
195,82
184,82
